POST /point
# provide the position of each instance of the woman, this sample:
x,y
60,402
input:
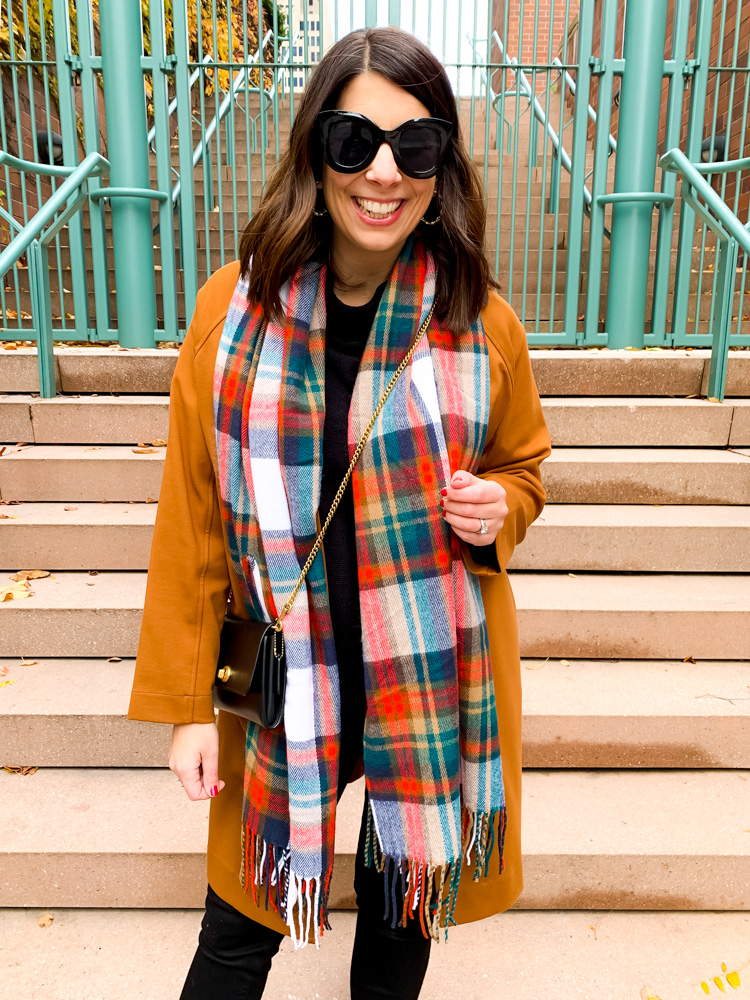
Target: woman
x,y
370,233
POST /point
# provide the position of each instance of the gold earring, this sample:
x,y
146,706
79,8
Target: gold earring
x,y
325,210
438,217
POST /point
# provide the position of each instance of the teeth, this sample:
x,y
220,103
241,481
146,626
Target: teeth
x,y
378,209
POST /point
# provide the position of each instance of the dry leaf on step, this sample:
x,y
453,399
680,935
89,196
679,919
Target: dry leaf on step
x,y
688,659
28,663
159,443
9,517
114,659
17,591
70,508
45,920
143,451
20,770
30,574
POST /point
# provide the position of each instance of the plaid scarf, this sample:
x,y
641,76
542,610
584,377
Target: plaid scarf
x,y
431,748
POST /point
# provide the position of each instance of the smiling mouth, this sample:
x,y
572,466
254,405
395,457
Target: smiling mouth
x,y
378,209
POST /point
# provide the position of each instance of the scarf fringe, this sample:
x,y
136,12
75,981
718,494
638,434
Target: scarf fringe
x,y
299,902
423,885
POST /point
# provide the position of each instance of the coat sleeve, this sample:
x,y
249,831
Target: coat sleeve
x,y
517,441
188,578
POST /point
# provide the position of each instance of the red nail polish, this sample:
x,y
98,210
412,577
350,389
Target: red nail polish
x,y
442,503
444,493
214,790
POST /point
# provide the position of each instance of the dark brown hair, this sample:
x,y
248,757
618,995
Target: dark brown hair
x,y
284,234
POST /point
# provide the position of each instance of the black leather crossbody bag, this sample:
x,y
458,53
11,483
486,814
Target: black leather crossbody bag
x,y
251,670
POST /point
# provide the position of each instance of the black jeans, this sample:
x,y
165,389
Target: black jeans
x,y
234,953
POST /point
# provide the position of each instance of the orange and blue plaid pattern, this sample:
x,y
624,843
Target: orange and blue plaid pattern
x,y
431,745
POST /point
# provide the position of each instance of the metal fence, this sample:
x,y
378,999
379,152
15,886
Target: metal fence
x,y
566,108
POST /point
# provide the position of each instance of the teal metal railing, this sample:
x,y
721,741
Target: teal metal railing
x,y
731,236
34,238
545,116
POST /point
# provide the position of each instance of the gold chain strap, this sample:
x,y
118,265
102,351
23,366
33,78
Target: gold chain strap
x,y
357,452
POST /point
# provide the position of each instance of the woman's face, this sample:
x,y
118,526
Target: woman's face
x,y
376,209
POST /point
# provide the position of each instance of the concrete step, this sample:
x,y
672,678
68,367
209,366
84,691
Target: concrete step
x,y
641,538
633,616
598,615
570,475
572,421
558,371
80,472
630,475
577,713
81,536
617,955
652,422
649,843
603,537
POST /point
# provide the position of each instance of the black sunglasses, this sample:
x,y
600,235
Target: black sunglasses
x,y
350,142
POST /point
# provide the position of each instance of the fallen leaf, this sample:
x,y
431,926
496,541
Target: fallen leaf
x,y
2,449
30,574
28,663
733,978
6,683
17,591
45,920
719,984
150,500
159,443
9,517
535,666
70,508
143,451
93,572
688,659
21,444
572,574
114,659
564,663
90,584
20,770
4,671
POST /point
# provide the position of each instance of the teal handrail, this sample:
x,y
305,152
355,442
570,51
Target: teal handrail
x,y
730,235
571,85
35,238
93,165
202,146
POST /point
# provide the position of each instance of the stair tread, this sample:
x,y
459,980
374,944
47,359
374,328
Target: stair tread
x,y
552,687
550,591
554,515
76,810
649,593
659,455
586,953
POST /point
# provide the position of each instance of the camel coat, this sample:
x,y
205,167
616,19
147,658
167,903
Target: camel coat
x,y
190,575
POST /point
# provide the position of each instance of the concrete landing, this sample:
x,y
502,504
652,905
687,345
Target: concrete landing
x,y
93,954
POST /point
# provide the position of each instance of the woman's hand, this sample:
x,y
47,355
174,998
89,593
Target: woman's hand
x,y
194,758
466,499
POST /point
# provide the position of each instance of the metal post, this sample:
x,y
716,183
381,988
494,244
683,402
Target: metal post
x,y
637,141
127,151
394,12
371,13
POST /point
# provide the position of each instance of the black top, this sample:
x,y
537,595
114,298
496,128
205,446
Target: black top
x,y
347,330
